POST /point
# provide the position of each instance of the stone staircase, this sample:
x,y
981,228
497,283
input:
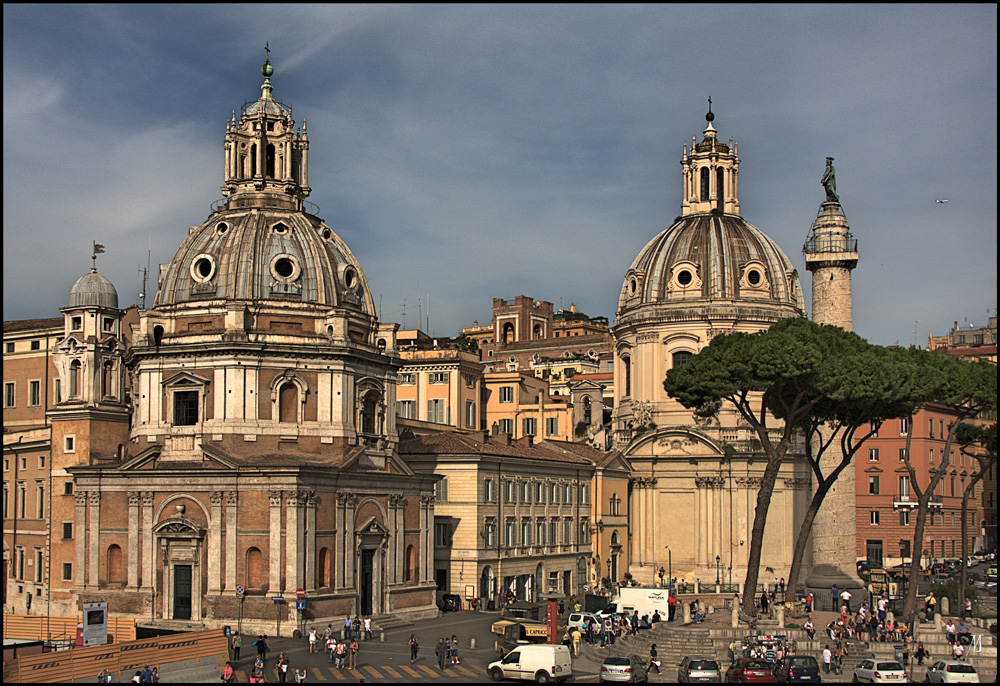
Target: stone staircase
x,y
675,642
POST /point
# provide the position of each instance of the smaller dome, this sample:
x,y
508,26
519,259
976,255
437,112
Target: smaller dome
x,y
93,290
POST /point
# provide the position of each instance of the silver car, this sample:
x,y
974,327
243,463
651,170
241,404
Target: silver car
x,y
699,669
951,672
628,668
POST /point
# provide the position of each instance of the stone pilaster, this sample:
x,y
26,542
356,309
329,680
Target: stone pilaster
x,y
215,543
310,542
274,545
134,540
94,541
148,545
80,533
232,499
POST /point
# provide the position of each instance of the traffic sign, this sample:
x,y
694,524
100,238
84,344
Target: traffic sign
x,y
278,599
239,590
300,593
300,604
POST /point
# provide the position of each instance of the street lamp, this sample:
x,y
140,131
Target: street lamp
x,y
717,570
670,568
662,572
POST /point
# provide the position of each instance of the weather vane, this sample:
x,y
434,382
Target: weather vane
x,y
98,249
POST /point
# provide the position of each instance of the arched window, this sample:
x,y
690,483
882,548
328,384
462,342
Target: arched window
x,y
107,381
369,412
704,183
507,335
681,357
410,564
323,579
74,378
720,184
269,161
115,574
587,409
254,572
288,400
536,333
627,373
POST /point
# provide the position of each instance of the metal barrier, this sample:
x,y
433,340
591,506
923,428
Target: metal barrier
x,y
123,658
56,628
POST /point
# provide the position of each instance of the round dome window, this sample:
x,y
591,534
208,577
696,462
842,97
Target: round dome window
x,y
203,268
684,278
285,268
753,276
632,286
221,228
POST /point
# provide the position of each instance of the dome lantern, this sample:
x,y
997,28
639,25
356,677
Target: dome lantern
x,y
710,173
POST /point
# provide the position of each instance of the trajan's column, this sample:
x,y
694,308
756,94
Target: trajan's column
x,y
831,253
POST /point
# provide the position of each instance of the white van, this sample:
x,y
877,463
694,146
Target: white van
x,y
540,663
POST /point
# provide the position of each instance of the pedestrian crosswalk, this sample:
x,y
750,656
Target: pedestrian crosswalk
x,y
368,673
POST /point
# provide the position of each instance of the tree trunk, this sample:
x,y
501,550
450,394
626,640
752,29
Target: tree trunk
x,y
802,541
757,533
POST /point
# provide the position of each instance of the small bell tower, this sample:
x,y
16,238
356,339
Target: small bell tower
x,y
266,157
710,171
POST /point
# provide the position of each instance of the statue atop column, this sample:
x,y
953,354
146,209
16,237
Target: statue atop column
x,y
829,182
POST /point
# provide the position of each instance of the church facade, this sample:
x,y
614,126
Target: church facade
x,y
710,273
259,460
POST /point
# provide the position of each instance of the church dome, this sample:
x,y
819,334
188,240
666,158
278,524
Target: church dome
x,y
265,254
710,257
93,290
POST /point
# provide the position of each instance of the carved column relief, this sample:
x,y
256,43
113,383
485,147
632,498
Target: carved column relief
x,y
350,544
339,543
427,538
294,538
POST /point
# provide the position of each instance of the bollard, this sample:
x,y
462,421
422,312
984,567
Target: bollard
x,y
736,615
381,636
781,616
937,621
946,606
472,643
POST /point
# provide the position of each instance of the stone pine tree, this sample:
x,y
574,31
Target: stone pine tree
x,y
968,389
868,384
776,377
978,441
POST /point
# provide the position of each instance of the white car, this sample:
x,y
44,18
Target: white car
x,y
577,619
879,672
952,672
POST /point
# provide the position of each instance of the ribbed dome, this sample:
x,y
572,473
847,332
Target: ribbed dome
x,y
710,257
93,290
265,254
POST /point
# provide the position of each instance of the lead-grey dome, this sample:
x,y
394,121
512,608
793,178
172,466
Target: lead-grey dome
x,y
93,290
710,257
258,254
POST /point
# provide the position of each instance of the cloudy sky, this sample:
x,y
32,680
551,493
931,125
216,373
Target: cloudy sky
x,y
472,152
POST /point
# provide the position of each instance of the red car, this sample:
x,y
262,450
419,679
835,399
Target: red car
x,y
749,671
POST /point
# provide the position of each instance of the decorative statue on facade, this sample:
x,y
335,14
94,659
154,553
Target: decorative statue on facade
x,y
829,182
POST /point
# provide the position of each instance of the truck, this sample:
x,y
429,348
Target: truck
x,y
645,599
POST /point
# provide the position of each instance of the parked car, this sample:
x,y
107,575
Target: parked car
x,y
880,672
749,671
951,672
540,663
576,620
797,669
941,578
699,669
629,668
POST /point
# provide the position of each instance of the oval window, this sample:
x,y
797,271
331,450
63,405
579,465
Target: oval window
x,y
684,278
632,285
327,234
203,268
350,278
222,227
753,276
285,268
280,228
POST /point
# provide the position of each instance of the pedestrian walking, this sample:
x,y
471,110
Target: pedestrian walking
x,y
331,648
368,628
654,661
414,648
827,658
300,676
282,667
353,654
577,640
313,636
237,644
454,650
341,654
228,673
439,652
